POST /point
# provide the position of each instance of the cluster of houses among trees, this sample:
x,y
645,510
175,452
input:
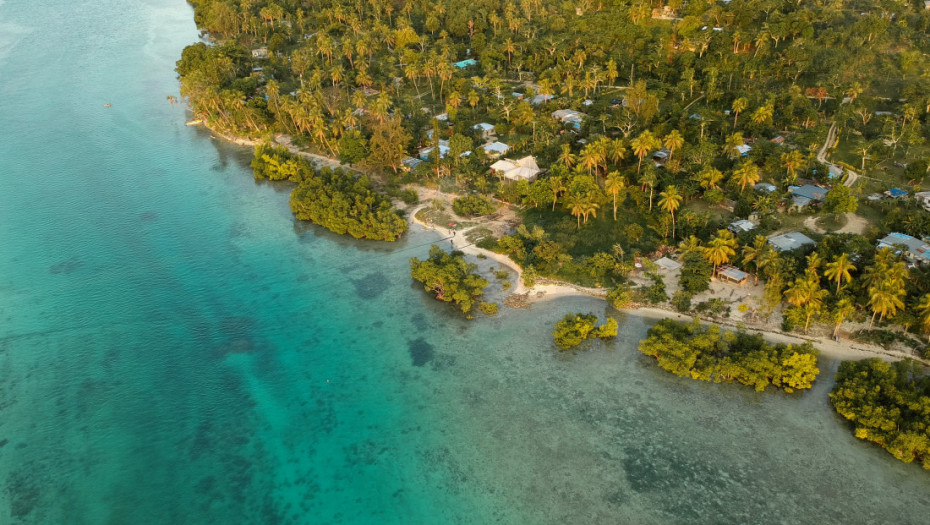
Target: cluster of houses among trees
x,y
620,130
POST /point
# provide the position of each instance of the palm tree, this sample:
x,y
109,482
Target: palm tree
x,y
746,175
738,106
669,202
843,310
578,206
642,145
648,178
557,187
589,158
791,161
615,184
923,312
616,150
589,207
733,142
754,254
885,299
839,269
567,158
709,178
806,294
720,248
673,141
763,114
813,263
691,244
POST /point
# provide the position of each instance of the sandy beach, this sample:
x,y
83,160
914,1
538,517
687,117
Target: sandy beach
x,y
547,290
489,262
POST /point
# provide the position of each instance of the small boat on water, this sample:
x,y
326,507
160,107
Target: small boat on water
x,y
107,105
195,122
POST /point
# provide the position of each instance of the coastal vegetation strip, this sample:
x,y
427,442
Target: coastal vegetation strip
x,y
887,404
452,279
342,202
708,353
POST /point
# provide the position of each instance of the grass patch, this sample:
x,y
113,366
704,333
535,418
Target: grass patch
x,y
479,234
831,222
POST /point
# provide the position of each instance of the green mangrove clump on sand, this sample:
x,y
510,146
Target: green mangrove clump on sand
x,y
450,278
711,354
887,404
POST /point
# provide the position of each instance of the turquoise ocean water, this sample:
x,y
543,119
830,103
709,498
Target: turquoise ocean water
x,y
174,348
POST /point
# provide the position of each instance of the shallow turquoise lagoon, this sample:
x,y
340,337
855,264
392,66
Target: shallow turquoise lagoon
x,y
174,348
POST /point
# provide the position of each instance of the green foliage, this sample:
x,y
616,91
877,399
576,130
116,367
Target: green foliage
x,y
681,300
709,354
450,277
277,163
695,273
888,404
529,276
473,206
574,329
653,293
840,200
620,296
488,308
343,203
352,147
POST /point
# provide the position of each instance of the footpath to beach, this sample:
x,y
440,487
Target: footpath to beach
x,y
545,290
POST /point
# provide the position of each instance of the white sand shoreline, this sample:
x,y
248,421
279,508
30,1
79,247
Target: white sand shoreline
x,y
548,291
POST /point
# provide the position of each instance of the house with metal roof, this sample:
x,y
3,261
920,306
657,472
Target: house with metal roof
x,y
465,63
485,129
732,274
569,116
801,196
790,241
741,226
495,149
540,99
765,187
668,264
913,248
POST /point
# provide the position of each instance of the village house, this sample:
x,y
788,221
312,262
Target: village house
x,y
485,130
517,170
569,116
495,149
732,274
790,241
741,226
916,250
261,52
802,196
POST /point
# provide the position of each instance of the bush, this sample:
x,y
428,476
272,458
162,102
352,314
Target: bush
x,y
344,203
473,206
681,300
449,277
621,296
710,354
574,329
409,197
695,273
488,308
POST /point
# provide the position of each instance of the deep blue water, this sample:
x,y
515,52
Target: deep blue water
x,y
175,348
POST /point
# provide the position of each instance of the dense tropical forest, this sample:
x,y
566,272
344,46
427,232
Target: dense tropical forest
x,y
678,111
